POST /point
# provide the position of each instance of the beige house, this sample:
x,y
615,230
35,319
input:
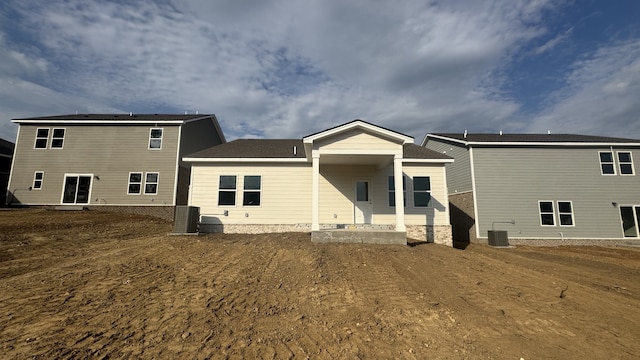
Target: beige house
x,y
124,162
356,176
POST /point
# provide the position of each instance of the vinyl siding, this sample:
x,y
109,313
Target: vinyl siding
x,y
458,172
109,152
285,193
511,180
356,139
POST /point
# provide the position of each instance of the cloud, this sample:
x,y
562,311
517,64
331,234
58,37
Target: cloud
x,y
601,95
552,43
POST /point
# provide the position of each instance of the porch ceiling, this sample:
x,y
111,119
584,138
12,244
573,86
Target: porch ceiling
x,y
347,159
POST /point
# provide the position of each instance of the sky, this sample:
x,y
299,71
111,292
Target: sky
x,y
286,69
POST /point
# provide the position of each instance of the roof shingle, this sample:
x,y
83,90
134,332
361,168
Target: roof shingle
x,y
533,138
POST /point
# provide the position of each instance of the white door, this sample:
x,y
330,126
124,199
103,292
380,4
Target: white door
x,y
363,208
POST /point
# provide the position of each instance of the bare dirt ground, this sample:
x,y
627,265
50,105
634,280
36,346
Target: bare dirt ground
x,y
102,285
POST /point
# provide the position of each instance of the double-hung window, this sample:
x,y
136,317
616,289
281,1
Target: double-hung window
x,y
607,166
565,213
151,183
391,186
42,138
547,213
155,139
227,190
625,163
38,178
57,138
252,190
421,191
135,183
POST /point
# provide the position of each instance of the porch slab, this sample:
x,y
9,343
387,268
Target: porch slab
x,y
359,236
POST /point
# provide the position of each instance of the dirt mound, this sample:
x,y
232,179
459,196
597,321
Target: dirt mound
x,y
104,285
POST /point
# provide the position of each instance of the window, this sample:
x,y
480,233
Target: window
x,y
625,162
42,137
227,190
547,212
630,216
135,183
38,177
421,191
155,139
392,190
252,187
57,138
151,183
565,213
606,163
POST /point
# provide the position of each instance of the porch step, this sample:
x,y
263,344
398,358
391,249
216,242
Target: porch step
x,y
359,236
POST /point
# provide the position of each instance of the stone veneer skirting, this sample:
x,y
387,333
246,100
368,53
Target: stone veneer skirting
x,y
439,234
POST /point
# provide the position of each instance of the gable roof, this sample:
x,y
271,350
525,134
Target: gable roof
x,y
361,124
283,149
530,139
6,147
115,118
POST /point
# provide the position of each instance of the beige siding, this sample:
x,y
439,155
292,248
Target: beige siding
x,y
356,140
285,199
108,152
336,191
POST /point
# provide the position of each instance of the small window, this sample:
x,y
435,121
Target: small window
x,y
565,213
547,217
57,138
625,162
421,191
151,183
227,190
391,185
38,177
155,139
42,137
252,188
135,183
606,163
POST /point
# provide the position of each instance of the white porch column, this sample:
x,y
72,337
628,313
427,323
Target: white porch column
x,y
399,192
315,202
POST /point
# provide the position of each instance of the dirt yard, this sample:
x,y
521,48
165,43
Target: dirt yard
x,y
100,285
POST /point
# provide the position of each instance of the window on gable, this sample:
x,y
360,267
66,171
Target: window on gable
x,y
547,217
227,190
42,137
155,139
625,163
421,191
57,138
38,178
135,183
391,186
252,189
565,213
151,183
606,163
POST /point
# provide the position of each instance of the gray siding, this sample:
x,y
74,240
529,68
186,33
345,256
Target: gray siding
x,y
109,152
458,172
511,180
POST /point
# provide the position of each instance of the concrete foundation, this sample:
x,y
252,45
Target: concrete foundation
x,y
359,236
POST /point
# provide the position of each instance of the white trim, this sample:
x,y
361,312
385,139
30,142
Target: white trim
x,y
157,182
251,190
573,216
398,177
235,192
315,192
427,161
110,122
141,182
474,191
446,193
64,182
359,152
53,130
413,192
532,143
354,200
358,124
161,138
243,160
177,171
35,141
617,159
613,162
33,185
13,163
553,213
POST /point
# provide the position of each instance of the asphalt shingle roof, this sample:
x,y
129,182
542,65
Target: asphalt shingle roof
x,y
118,117
6,147
537,138
283,148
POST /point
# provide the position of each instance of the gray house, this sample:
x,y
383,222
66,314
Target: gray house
x,y
126,162
6,153
542,188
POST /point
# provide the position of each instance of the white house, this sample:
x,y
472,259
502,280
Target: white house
x,y
340,184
